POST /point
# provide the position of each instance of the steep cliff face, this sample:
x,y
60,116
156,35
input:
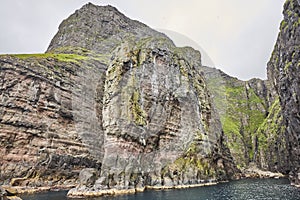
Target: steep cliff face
x,y
261,118
271,141
113,95
283,72
38,134
242,106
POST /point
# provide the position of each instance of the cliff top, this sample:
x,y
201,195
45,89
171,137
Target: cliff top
x,y
98,28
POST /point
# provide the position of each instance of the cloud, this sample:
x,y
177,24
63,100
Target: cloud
x,y
237,35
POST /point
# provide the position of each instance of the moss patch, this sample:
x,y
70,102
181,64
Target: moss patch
x,y
139,115
60,57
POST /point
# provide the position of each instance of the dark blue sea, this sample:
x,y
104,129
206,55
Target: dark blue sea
x,y
248,189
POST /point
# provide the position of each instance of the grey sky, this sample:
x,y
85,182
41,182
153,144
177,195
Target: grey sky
x,y
238,35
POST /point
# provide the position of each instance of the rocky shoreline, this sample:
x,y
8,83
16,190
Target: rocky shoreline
x,y
85,192
88,185
12,192
254,172
91,192
8,193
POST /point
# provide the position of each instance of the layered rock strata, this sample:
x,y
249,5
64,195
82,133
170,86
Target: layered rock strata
x,y
113,95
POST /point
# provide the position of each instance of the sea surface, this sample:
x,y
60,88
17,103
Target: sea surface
x,y
248,189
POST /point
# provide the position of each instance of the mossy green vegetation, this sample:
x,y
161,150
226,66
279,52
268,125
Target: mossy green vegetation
x,y
60,57
138,113
298,22
283,24
287,66
184,164
244,113
270,125
75,55
290,13
271,139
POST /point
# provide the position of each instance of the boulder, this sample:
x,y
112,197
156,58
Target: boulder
x,y
8,193
87,177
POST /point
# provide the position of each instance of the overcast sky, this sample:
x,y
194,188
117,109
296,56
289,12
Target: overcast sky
x,y
238,35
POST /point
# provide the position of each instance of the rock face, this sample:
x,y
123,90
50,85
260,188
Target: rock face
x,y
251,120
283,72
242,107
114,106
99,29
113,95
38,135
8,193
261,118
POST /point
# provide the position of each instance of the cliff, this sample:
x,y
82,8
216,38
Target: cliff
x,y
261,118
251,119
116,97
114,106
242,107
283,72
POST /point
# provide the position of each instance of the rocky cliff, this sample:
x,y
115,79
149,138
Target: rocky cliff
x,y
38,134
112,95
114,106
242,107
251,119
261,118
283,69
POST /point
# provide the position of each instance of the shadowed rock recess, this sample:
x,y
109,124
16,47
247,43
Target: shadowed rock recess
x,y
114,106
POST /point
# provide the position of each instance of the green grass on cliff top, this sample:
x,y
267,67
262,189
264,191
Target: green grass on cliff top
x,y
63,57
60,57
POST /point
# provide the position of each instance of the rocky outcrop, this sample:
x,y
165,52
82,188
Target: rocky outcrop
x,y
113,95
283,72
8,193
252,171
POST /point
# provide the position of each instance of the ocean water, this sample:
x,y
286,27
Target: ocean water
x,y
248,189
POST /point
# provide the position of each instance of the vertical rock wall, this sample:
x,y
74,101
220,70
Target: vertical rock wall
x,y
283,72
